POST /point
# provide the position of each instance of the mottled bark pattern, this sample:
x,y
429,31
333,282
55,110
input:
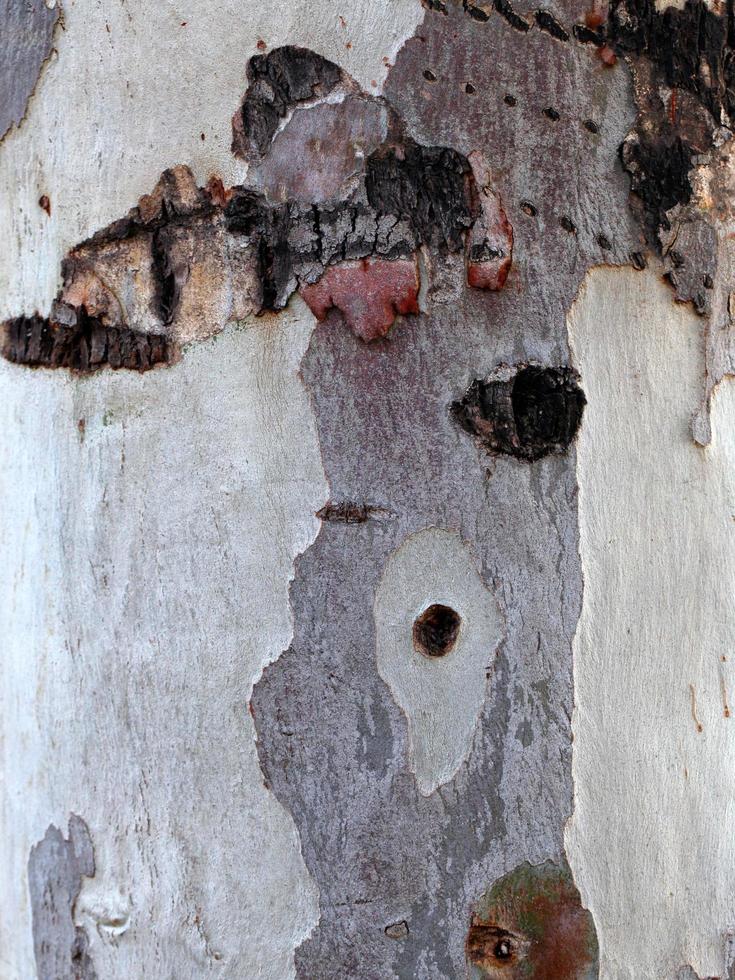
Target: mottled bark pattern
x,y
452,236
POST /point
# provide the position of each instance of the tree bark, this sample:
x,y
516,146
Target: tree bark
x,y
367,482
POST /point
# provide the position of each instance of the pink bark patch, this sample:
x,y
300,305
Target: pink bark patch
x,y
370,294
490,240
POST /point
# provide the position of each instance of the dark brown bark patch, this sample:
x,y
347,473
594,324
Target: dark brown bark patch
x,y
535,412
692,48
278,81
430,186
547,22
347,512
436,630
83,346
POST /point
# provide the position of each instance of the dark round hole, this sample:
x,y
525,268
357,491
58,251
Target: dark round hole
x,y
503,949
436,630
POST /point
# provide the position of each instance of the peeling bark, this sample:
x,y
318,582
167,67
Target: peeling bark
x,y
362,550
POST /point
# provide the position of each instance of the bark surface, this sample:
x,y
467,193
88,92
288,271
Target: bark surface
x,y
368,484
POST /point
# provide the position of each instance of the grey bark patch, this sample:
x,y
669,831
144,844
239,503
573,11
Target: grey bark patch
x,y
26,35
55,869
333,743
293,168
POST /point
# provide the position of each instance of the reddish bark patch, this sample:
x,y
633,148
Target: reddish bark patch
x,y
490,240
369,293
532,925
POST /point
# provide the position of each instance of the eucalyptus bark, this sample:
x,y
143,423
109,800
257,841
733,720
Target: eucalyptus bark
x,y
367,474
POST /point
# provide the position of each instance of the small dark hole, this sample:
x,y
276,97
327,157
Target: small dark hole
x,y
503,950
528,209
604,242
436,630
429,75
510,100
469,88
707,280
552,114
568,225
591,125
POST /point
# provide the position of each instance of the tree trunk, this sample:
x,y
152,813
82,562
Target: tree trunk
x,y
368,484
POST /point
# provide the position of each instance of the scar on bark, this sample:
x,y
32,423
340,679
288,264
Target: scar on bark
x,y
189,259
348,512
531,924
83,346
528,412
56,867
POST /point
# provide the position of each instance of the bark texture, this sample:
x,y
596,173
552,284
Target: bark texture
x,y
368,492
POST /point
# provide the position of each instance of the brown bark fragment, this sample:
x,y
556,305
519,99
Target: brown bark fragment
x,y
84,345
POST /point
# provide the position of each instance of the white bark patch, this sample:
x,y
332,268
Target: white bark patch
x,y
652,838
441,696
138,87
150,524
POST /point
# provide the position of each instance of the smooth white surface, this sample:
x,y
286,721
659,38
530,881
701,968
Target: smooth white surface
x,y
133,89
144,585
441,696
652,838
